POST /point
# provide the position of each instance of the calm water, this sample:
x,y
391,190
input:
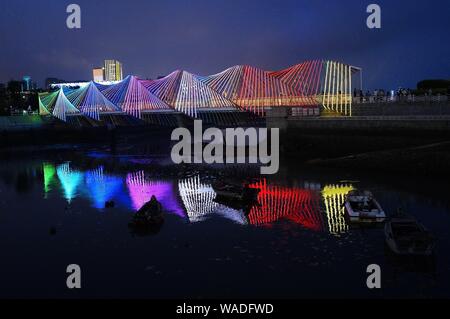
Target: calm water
x,y
295,243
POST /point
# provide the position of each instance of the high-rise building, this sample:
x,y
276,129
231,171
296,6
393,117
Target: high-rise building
x,y
98,74
113,70
26,83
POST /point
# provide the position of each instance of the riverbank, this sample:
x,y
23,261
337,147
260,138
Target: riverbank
x,y
394,152
393,125
387,145
431,160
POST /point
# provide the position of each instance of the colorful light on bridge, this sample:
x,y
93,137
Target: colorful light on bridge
x,y
63,107
90,101
241,87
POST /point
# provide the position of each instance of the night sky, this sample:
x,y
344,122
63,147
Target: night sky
x,y
153,38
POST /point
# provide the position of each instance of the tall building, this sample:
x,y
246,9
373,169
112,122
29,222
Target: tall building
x,y
113,70
26,83
98,74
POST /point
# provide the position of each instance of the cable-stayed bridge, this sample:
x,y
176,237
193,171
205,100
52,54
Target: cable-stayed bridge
x,y
303,89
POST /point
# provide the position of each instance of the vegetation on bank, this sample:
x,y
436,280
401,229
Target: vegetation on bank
x,y
12,99
438,86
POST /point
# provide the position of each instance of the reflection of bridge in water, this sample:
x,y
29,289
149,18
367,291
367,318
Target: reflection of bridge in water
x,y
302,88
299,205
311,207
141,190
334,198
198,198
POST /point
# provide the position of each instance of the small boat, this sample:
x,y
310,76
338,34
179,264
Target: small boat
x,y
110,204
406,236
148,219
363,207
235,192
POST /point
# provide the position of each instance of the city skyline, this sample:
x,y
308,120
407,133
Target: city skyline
x,y
224,33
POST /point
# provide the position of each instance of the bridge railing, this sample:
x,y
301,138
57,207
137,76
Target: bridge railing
x,y
401,99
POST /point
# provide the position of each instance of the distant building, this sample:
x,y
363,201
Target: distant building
x,y
113,70
2,90
26,84
98,75
50,81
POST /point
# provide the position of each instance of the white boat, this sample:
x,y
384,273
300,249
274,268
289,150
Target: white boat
x,y
363,207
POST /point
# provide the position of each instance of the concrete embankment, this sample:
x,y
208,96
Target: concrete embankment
x,y
374,124
417,144
387,118
21,123
430,159
386,143
30,133
408,149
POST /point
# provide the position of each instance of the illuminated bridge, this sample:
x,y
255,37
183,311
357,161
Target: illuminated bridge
x,y
303,88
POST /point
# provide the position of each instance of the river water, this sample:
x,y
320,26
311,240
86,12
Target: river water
x,y
294,243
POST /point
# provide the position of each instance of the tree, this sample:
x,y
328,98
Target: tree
x,y
14,87
436,86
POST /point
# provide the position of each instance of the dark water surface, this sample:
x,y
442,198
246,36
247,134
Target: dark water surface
x,y
295,243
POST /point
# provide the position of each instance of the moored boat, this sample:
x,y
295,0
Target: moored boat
x,y
235,192
148,219
363,207
406,236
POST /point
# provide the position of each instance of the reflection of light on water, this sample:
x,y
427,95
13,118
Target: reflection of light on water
x,y
142,189
334,198
70,180
234,215
101,187
49,176
198,198
296,204
299,204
